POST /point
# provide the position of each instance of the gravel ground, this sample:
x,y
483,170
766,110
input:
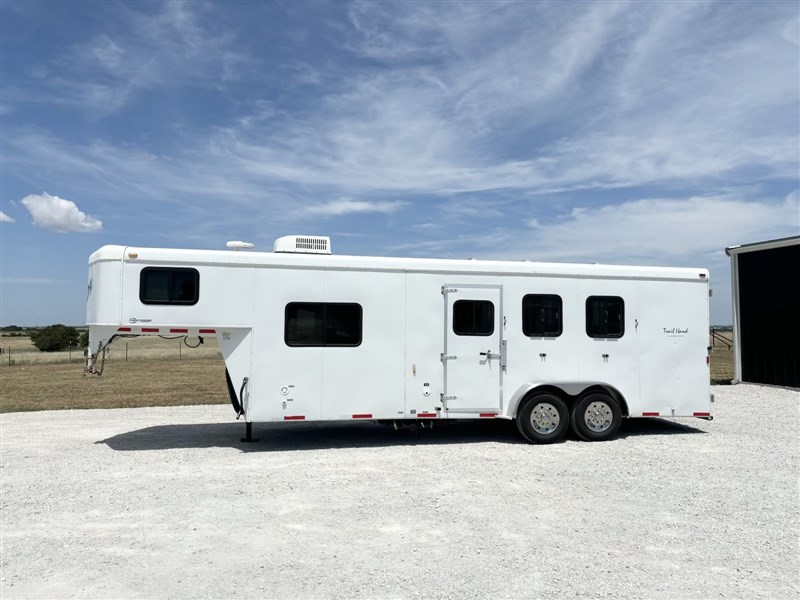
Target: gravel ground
x,y
166,502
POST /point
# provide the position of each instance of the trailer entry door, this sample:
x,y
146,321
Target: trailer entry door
x,y
473,356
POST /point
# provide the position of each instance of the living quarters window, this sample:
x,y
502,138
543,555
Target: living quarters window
x,y
322,324
541,315
168,285
473,317
605,316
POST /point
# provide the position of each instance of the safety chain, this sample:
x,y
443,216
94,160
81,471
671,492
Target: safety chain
x,y
87,370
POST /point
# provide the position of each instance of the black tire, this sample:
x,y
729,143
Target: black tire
x,y
543,418
596,417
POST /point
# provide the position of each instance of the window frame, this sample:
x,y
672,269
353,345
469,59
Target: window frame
x,y
169,302
324,343
606,299
471,334
546,334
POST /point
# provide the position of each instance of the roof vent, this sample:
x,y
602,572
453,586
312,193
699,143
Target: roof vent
x,y
303,244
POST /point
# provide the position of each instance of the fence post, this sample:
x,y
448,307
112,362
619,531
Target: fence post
x,y
126,351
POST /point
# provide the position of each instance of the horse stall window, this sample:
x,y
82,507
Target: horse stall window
x,y
541,315
605,316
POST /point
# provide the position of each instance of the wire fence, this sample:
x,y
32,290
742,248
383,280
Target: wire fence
x,y
11,356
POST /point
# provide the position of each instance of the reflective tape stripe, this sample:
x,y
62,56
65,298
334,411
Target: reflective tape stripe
x,y
702,414
426,415
363,416
484,415
650,414
165,329
295,418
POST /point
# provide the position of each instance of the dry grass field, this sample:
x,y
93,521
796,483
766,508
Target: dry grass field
x,y
131,384
152,376
142,371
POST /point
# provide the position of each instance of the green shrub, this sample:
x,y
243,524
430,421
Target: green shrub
x,y
54,338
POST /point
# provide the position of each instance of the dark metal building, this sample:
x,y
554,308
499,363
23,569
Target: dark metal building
x,y
765,277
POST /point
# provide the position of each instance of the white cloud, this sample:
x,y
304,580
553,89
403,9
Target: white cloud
x,y
661,230
344,206
58,214
601,96
173,44
4,218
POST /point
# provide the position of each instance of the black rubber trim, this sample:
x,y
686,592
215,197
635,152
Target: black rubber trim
x,y
232,393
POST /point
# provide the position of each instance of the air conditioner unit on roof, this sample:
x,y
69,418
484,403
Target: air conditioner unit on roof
x,y
303,244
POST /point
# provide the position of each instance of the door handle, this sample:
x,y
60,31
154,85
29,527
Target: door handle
x,y
488,354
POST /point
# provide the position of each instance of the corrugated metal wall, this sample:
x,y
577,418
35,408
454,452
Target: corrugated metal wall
x,y
769,311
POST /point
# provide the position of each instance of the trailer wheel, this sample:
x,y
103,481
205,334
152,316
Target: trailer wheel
x,y
596,417
543,419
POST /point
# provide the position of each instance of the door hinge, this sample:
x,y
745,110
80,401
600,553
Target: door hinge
x,y
447,290
443,357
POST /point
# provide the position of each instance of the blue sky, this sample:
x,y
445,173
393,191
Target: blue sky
x,y
628,133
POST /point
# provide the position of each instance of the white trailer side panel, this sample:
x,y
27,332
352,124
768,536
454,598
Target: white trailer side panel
x,y
370,378
674,374
329,383
225,296
609,360
549,359
425,332
286,382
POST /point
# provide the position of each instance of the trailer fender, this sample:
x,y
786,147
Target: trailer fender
x,y
568,390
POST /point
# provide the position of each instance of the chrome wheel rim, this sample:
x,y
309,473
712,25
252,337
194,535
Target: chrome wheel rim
x,y
544,418
598,416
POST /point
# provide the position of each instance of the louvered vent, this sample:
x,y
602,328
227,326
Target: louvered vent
x,y
303,244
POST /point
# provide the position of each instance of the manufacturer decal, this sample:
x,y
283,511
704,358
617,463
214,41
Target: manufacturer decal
x,y
135,320
675,331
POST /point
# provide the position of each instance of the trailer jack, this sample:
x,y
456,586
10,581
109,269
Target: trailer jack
x,y
248,434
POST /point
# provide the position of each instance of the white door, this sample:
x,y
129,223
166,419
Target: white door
x,y
473,348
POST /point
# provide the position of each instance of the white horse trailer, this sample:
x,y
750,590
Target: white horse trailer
x,y
310,336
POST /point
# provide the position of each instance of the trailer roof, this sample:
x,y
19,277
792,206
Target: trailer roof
x,y
766,245
172,256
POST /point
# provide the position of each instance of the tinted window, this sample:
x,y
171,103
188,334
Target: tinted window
x,y
158,285
541,315
473,317
322,324
605,316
